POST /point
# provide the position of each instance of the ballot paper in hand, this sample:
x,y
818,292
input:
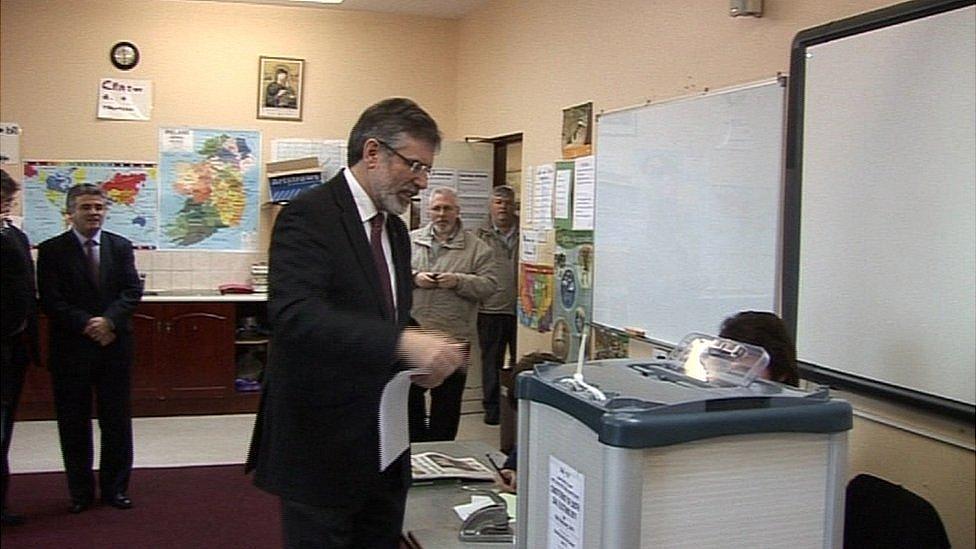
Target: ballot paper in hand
x,y
394,431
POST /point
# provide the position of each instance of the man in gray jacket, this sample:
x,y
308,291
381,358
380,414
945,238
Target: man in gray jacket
x,y
496,319
453,272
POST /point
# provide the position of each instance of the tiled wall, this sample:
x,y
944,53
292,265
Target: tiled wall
x,y
195,270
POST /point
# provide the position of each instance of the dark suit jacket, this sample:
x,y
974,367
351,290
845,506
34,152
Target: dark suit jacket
x,y
19,342
332,351
70,298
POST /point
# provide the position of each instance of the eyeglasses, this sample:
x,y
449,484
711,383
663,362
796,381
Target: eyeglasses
x,y
416,167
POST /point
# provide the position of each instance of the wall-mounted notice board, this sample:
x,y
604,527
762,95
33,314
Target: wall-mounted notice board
x,y
880,214
688,195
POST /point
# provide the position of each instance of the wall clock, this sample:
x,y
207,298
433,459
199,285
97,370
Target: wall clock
x,y
124,55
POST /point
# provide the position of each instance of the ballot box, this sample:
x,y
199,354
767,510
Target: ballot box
x,y
696,450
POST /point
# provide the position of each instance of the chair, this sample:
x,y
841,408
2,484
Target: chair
x,y
885,515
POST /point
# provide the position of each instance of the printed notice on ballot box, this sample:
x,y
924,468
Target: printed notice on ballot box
x,y
565,506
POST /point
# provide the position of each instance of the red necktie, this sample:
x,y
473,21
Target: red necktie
x,y
92,260
379,258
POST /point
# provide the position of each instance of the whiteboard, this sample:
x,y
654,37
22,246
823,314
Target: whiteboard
x,y
885,282
688,196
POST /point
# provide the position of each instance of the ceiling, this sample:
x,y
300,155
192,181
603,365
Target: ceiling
x,y
444,9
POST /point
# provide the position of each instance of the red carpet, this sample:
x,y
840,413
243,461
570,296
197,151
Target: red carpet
x,y
184,507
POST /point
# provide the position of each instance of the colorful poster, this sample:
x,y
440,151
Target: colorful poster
x,y
574,291
609,343
535,299
208,189
131,188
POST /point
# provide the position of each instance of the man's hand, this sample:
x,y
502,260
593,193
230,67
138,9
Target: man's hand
x,y
506,480
100,329
447,280
434,353
426,280
106,339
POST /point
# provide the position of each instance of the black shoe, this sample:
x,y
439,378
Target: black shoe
x,y
119,501
491,418
79,506
13,519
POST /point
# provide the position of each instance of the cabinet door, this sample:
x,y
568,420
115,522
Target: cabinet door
x,y
147,326
198,351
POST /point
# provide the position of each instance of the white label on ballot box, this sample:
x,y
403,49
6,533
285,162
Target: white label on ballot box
x,y
565,506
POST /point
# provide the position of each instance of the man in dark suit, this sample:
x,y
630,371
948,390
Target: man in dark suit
x,y
339,304
19,343
89,289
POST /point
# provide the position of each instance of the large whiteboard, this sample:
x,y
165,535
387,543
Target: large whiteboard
x,y
688,196
884,201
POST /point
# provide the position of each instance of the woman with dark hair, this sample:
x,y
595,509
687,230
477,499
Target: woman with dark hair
x,y
769,332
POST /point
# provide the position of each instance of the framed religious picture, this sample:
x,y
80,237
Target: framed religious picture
x,y
578,130
280,87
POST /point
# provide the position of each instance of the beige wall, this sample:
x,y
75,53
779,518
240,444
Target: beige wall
x,y
520,63
202,58
511,67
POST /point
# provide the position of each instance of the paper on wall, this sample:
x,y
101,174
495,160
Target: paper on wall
x,y
583,193
120,99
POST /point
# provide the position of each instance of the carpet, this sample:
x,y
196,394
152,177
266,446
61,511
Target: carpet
x,y
185,507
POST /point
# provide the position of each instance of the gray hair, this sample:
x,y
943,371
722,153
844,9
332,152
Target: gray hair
x,y
444,191
503,191
389,121
83,189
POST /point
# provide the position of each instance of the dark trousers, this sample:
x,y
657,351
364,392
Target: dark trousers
x,y
445,409
497,335
375,521
13,382
110,378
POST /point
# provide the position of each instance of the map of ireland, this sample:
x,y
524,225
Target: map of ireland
x,y
208,189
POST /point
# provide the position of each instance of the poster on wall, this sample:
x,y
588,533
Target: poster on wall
x,y
121,99
331,153
131,189
9,143
574,291
578,130
536,291
209,189
280,83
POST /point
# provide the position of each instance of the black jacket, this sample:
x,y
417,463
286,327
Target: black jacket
x,y
332,351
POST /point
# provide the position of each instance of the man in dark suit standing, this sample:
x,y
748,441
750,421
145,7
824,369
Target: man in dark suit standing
x,y
89,289
19,343
340,297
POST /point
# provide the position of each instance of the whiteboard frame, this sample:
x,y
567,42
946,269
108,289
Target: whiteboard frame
x,y
782,81
789,285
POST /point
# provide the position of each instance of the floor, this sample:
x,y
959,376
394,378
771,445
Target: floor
x,y
178,441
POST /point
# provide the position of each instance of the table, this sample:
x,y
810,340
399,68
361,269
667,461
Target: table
x,y
430,515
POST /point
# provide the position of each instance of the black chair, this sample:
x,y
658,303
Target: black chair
x,y
885,515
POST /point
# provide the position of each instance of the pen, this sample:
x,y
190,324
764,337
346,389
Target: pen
x,y
494,466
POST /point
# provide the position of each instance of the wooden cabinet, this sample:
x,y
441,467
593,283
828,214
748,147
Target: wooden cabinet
x,y
184,363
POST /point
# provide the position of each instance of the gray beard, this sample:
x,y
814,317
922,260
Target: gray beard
x,y
391,203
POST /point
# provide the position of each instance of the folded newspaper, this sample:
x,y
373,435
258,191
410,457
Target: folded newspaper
x,y
435,465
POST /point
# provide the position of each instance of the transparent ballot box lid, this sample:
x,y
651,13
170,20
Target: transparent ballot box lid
x,y
707,386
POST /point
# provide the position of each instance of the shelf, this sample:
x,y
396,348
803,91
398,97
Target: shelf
x,y
252,341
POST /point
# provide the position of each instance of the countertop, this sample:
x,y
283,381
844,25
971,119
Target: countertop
x,y
201,295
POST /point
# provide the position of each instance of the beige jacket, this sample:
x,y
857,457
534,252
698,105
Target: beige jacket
x,y
506,268
455,310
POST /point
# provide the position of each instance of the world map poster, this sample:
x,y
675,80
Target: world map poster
x,y
131,188
208,189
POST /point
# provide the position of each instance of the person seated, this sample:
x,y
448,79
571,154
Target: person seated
x,y
506,480
768,331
